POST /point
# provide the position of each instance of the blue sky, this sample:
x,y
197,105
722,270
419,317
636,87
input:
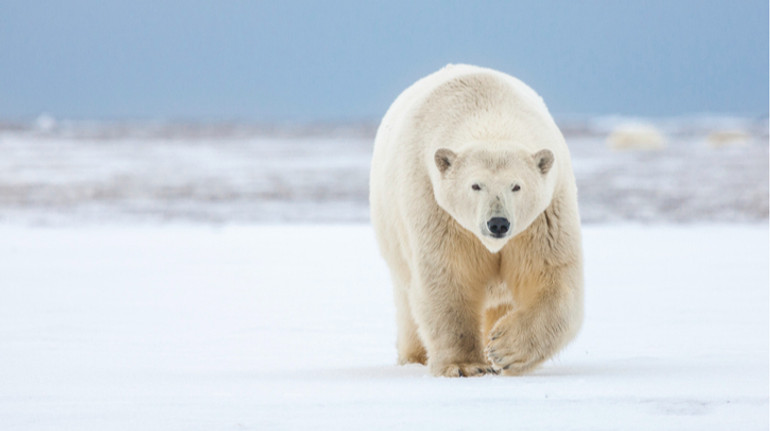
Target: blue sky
x,y
347,60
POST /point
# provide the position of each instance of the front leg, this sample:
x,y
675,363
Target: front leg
x,y
447,312
547,317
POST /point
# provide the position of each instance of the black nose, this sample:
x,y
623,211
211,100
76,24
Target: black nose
x,y
498,226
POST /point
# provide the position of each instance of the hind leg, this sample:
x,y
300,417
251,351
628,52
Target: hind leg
x,y
408,342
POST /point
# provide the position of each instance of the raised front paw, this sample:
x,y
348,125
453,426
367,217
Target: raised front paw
x,y
466,369
513,350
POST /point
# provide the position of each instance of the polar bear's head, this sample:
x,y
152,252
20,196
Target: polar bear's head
x,y
495,194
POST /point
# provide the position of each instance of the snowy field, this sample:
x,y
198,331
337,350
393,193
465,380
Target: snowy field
x,y
191,327
148,282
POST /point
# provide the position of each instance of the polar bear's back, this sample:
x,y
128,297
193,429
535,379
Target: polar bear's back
x,y
453,107
415,96
459,104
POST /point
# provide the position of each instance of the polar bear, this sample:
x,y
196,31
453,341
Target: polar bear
x,y
474,205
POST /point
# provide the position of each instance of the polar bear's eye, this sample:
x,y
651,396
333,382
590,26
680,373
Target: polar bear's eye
x,y
516,188
476,187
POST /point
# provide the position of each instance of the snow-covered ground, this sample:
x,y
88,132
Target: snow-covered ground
x,y
184,277
199,327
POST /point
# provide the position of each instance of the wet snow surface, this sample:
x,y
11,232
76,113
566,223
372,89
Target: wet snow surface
x,y
174,327
91,173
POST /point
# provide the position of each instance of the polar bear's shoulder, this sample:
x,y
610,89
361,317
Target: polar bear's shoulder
x,y
480,77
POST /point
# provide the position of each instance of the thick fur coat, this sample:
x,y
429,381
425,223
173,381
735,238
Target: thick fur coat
x,y
474,204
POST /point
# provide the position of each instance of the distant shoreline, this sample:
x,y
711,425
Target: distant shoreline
x,y
571,126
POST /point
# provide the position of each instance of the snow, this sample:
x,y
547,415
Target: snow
x,y
254,327
144,285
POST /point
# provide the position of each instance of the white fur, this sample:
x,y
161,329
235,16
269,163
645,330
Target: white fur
x,y
455,283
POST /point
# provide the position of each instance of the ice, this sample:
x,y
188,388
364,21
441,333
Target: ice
x,y
197,326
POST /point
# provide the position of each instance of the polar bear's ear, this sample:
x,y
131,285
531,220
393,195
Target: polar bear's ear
x,y
544,160
444,159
